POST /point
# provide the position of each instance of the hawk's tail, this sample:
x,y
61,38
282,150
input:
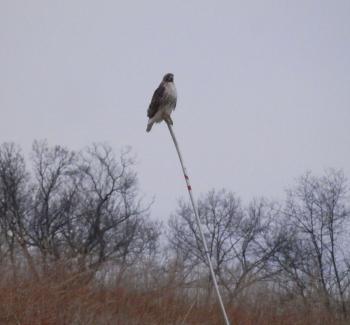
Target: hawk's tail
x,y
149,126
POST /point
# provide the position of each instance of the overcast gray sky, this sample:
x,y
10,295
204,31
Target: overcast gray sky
x,y
263,86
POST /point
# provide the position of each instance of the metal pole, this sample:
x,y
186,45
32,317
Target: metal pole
x,y
189,188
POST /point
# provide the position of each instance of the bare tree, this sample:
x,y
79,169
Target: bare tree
x,y
314,255
239,240
15,203
81,207
108,216
53,170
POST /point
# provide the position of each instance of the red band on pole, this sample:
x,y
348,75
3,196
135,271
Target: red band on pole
x,y
189,187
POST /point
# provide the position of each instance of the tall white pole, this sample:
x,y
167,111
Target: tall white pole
x,y
189,188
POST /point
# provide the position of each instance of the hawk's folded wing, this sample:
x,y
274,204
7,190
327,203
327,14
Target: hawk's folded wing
x,y
156,102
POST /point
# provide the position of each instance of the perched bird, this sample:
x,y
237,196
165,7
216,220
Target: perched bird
x,y
163,102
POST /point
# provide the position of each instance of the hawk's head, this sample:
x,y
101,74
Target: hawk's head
x,y
169,77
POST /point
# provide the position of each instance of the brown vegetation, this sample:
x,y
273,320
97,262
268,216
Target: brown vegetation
x,y
78,246
63,298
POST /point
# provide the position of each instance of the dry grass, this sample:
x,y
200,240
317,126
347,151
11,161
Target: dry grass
x,y
74,299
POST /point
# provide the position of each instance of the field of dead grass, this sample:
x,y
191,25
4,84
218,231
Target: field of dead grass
x,y
76,299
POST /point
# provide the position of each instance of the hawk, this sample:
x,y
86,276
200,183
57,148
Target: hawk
x,y
163,102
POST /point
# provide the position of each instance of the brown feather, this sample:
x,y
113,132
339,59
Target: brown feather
x,y
157,101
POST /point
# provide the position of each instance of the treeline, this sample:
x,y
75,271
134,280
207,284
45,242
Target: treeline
x,y
82,213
